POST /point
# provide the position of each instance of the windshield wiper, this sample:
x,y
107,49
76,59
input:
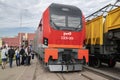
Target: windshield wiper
x,y
53,24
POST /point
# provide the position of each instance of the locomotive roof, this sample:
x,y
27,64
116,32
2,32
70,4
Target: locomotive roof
x,y
56,8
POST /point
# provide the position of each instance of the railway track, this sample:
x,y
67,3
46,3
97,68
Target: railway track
x,y
86,74
60,76
106,74
75,76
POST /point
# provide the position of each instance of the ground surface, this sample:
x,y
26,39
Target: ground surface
x,y
36,71
22,72
0,57
42,73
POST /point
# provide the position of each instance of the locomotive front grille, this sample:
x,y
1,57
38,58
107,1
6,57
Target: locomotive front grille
x,y
66,56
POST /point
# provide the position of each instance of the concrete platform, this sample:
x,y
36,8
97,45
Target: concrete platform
x,y
18,73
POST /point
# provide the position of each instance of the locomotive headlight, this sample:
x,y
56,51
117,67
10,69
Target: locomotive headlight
x,y
45,41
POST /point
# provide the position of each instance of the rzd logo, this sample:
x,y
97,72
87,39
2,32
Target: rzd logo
x,y
67,36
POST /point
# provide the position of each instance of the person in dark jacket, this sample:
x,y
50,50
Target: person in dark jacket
x,y
22,53
11,53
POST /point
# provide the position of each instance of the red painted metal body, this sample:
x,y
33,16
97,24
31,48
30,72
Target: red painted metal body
x,y
60,39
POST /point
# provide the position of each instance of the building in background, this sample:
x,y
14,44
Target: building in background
x,y
10,41
21,39
30,37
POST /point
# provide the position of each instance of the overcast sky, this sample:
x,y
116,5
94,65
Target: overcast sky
x,y
31,10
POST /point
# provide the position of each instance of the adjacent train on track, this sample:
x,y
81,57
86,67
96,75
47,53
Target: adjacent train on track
x,y
103,35
60,38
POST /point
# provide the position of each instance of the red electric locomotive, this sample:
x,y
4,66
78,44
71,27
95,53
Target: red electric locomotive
x,y
60,38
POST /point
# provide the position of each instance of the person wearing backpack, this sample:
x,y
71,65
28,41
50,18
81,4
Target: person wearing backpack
x,y
17,54
11,53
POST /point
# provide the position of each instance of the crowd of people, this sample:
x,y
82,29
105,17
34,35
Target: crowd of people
x,y
22,55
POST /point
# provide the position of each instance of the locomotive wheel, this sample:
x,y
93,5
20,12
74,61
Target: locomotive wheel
x,y
97,62
112,63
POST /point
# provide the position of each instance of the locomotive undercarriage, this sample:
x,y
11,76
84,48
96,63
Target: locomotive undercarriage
x,y
67,61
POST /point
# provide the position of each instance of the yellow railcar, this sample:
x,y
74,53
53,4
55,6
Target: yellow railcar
x,y
94,31
112,20
103,36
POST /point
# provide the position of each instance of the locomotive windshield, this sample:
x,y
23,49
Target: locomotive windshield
x,y
65,17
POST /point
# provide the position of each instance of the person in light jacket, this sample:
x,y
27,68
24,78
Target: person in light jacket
x,y
28,55
4,57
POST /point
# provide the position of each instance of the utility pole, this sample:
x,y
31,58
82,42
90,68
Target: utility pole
x,y
20,27
21,23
